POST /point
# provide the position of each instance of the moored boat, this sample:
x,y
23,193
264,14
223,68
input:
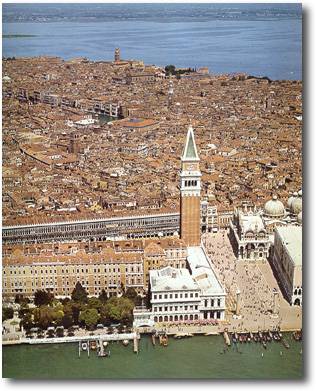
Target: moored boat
x,y
285,344
125,342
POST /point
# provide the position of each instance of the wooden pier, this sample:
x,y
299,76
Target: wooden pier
x,y
135,344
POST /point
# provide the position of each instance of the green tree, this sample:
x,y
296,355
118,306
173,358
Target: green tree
x,y
20,299
130,293
58,315
26,320
119,309
42,297
7,313
133,295
103,297
170,69
75,308
89,316
94,302
67,321
79,294
44,316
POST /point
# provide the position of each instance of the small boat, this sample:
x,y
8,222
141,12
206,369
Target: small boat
x,y
285,344
105,344
104,354
84,346
297,336
255,338
251,335
270,334
125,342
163,339
93,345
240,338
264,344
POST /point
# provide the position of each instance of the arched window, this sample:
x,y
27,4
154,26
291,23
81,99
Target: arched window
x,y
297,302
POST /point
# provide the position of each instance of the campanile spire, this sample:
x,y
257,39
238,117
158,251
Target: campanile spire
x,y
190,188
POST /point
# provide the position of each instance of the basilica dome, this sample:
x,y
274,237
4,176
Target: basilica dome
x,y
274,208
290,199
297,204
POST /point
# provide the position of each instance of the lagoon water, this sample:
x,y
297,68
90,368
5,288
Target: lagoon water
x,y
259,39
198,357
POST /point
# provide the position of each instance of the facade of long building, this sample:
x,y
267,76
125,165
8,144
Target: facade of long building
x,y
130,227
97,266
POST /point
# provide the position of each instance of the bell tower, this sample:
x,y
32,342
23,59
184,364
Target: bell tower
x,y
190,188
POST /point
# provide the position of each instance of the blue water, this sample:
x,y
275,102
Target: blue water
x,y
259,39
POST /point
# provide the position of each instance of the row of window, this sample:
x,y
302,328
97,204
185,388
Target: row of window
x,y
64,291
175,295
212,303
297,291
190,183
176,308
54,271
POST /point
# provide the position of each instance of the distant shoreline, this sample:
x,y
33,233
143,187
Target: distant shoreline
x,y
18,35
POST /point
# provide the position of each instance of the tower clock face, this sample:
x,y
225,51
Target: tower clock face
x,y
192,167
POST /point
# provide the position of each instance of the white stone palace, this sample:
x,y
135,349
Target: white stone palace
x,y
287,262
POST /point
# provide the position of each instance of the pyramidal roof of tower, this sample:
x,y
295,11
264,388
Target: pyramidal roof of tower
x,y
190,151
